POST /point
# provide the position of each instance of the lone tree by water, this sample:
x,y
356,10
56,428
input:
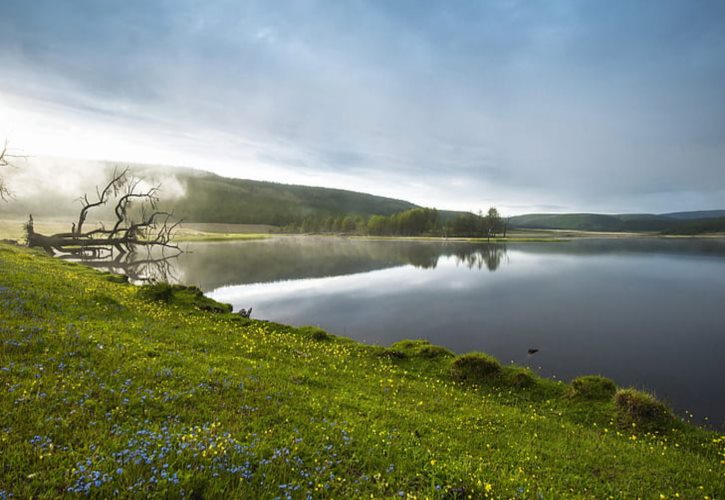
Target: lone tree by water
x,y
138,223
493,223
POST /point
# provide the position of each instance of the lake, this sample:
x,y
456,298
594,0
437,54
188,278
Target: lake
x,y
647,312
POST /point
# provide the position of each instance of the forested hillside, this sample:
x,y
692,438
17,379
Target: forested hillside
x,y
211,198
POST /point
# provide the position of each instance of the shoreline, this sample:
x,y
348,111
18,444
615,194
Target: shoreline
x,y
11,229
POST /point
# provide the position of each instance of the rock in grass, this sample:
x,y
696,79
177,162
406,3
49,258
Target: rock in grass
x,y
593,387
641,409
474,367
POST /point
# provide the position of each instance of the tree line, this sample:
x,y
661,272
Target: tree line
x,y
412,222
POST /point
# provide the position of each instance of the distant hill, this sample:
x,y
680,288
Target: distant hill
x,y
702,214
674,223
194,195
211,198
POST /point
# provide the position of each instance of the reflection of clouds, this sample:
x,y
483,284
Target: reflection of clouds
x,y
449,275
363,285
369,285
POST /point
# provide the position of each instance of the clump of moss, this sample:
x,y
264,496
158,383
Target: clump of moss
x,y
187,296
314,332
474,367
593,387
518,377
641,409
421,348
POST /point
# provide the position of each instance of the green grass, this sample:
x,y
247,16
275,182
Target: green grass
x,y
110,389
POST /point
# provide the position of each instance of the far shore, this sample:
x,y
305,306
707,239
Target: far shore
x,y
12,230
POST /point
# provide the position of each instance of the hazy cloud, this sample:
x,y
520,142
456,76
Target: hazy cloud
x,y
583,105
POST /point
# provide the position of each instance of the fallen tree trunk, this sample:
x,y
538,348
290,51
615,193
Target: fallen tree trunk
x,y
146,227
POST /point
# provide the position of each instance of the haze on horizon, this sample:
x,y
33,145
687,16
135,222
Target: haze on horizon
x,y
532,106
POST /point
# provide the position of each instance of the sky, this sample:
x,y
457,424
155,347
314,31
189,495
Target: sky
x,y
532,106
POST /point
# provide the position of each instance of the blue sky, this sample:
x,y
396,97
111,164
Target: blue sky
x,y
529,105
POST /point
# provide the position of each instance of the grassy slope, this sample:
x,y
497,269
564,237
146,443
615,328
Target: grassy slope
x,y
107,392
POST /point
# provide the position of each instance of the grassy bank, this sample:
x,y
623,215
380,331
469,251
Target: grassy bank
x,y
113,389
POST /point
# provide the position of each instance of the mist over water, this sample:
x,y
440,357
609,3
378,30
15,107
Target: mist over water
x,y
646,312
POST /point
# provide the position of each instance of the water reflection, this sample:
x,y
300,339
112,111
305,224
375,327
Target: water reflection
x,y
139,268
213,265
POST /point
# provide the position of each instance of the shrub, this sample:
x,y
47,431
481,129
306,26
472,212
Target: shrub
x,y
474,366
642,409
314,332
421,348
593,387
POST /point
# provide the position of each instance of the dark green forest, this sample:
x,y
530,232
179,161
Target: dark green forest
x,y
412,222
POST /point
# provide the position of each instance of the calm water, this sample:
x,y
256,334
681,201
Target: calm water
x,y
648,313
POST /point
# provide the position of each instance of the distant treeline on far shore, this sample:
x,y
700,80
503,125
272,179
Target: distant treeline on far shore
x,y
412,222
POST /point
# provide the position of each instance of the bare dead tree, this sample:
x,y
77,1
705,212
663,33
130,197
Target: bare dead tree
x,y
139,223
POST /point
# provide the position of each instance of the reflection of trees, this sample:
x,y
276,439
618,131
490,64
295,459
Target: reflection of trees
x,y
489,255
137,268
212,265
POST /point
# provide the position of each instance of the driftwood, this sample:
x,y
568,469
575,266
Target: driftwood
x,y
145,227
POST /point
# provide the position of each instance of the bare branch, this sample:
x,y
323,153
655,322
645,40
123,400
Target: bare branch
x,y
113,187
143,227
